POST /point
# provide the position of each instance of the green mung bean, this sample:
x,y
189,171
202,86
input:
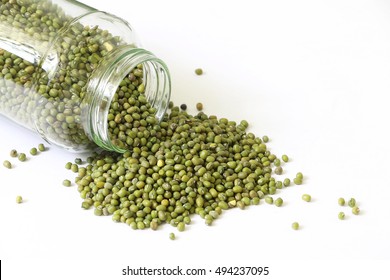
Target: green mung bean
x,y
285,158
278,202
68,165
295,225
351,202
198,71
22,157
265,139
297,181
7,164
13,153
341,201
341,216
306,197
33,151
181,226
172,236
74,167
66,183
41,147
19,199
269,199
199,106
355,210
286,182
278,170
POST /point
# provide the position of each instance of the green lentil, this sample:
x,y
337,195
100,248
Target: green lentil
x,y
306,197
351,202
295,225
19,199
198,71
22,157
13,153
199,106
285,158
33,151
341,216
66,183
355,210
341,201
278,202
7,164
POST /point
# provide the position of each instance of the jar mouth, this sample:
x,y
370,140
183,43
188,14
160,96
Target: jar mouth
x,y
105,81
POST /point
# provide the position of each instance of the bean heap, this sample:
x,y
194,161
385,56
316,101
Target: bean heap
x,y
191,164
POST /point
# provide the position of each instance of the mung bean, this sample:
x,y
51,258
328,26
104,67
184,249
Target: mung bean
x,y
7,164
355,210
306,197
13,153
341,201
295,225
269,199
198,71
33,151
199,106
278,202
22,157
19,199
41,147
278,170
66,183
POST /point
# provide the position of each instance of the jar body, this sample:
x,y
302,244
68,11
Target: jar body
x,y
61,64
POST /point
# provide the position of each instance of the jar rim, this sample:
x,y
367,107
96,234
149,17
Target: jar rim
x,y
104,82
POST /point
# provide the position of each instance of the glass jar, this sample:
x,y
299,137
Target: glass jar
x,y
63,65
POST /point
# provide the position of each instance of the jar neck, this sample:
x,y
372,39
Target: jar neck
x,y
104,82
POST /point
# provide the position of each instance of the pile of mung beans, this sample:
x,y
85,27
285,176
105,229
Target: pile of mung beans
x,y
191,164
184,165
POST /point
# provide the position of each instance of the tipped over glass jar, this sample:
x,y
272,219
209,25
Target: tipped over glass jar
x,y
78,76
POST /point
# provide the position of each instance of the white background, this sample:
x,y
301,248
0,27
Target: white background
x,y
312,75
